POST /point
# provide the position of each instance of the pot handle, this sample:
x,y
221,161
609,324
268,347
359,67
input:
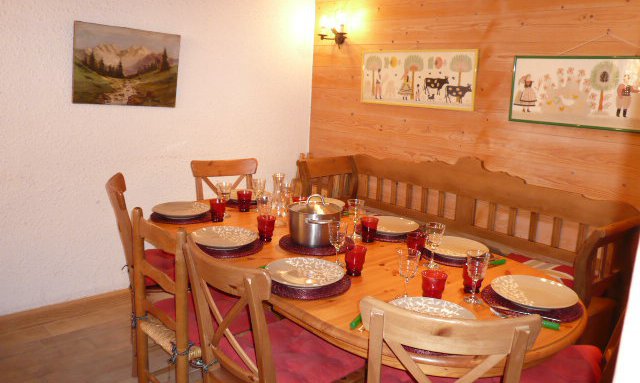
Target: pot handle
x,y
318,221
317,195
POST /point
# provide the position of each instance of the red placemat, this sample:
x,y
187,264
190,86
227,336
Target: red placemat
x,y
159,218
322,292
234,202
243,251
567,314
287,243
386,237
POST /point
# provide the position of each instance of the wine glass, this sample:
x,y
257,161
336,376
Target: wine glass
x,y
434,231
356,210
225,189
337,236
477,264
258,185
408,261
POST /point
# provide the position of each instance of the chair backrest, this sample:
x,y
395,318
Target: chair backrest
x,y
202,170
490,341
116,187
253,287
146,232
333,177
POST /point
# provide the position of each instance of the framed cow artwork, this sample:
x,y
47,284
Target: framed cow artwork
x,y
444,79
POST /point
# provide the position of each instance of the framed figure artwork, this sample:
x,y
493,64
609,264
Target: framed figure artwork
x,y
421,78
597,92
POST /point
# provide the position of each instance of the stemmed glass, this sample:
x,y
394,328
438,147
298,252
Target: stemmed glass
x,y
477,264
356,210
258,185
408,261
225,190
434,231
337,236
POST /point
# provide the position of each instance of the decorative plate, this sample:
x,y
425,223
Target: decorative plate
x,y
534,292
335,202
395,225
224,237
433,306
305,272
234,195
457,246
181,209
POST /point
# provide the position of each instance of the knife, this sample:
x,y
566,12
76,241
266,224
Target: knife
x,y
547,322
355,322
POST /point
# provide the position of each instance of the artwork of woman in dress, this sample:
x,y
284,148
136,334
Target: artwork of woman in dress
x,y
405,90
526,98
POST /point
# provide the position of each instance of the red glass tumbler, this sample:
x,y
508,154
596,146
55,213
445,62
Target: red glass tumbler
x,y
244,200
416,240
266,224
354,259
369,229
433,282
217,209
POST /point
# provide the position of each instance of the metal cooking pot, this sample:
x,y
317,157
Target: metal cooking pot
x,y
308,221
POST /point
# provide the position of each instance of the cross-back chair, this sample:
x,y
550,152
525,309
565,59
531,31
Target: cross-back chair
x,y
153,319
116,187
280,350
495,347
333,177
244,169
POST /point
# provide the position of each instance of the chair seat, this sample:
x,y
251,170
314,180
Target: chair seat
x,y
299,355
563,273
162,260
576,364
224,302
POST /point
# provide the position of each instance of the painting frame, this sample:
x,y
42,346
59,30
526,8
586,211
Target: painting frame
x,y
594,92
395,77
124,66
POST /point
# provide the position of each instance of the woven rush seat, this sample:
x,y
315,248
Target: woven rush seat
x,y
164,336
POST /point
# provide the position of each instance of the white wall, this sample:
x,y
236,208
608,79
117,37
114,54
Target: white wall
x,y
244,89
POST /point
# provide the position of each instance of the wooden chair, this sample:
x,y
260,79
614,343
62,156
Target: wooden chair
x,y
152,319
333,177
202,170
281,349
486,343
116,187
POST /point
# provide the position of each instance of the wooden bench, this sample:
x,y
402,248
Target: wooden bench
x,y
597,238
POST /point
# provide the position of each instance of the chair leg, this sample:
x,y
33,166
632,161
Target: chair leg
x,y
142,355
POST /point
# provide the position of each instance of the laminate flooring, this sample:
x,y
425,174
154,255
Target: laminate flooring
x,y
87,340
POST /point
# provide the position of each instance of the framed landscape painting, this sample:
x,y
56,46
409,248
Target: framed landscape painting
x,y
422,78
597,92
124,66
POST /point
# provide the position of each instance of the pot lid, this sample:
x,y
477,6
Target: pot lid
x,y
317,206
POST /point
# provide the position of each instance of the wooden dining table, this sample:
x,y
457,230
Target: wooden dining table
x,y
330,318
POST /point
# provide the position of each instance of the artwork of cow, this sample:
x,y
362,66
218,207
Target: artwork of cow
x,y
435,83
456,91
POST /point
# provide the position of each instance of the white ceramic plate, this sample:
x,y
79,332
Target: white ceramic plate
x,y
433,306
305,272
395,225
181,209
335,202
534,292
224,237
456,247
234,195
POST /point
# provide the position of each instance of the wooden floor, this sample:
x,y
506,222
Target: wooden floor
x,y
80,341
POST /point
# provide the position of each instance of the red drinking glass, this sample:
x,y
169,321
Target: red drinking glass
x,y
217,209
244,200
266,224
354,259
416,240
433,282
369,229
467,282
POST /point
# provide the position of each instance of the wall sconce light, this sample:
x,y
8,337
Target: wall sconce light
x,y
336,27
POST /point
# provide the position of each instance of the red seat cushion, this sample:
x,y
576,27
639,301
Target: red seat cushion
x,y
574,364
562,273
225,303
299,355
161,260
